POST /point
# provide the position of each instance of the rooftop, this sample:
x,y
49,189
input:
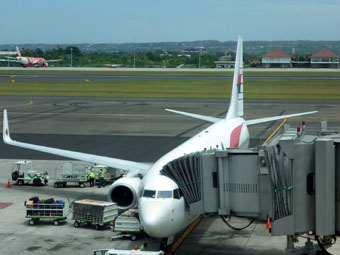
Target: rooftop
x,y
276,53
325,53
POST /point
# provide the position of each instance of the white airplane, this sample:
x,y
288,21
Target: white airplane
x,y
113,65
163,211
29,61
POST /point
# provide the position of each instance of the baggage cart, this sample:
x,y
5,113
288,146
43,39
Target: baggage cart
x,y
92,212
70,176
126,252
56,211
111,174
128,225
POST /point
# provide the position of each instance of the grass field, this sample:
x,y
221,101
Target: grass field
x,y
254,89
117,72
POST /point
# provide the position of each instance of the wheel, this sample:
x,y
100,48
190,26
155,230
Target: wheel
x,y
20,182
81,185
97,227
133,238
15,175
36,182
31,222
56,185
56,222
76,224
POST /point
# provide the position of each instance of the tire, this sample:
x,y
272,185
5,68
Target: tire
x,y
97,227
56,222
20,182
81,185
31,222
36,182
133,238
56,185
76,224
15,175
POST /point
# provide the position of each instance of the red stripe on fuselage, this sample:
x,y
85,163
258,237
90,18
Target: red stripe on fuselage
x,y
235,137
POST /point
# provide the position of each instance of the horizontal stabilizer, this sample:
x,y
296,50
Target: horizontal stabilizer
x,y
126,165
196,116
262,120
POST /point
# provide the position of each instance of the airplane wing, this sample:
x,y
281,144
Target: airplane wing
x,y
53,60
132,167
248,122
257,121
9,60
196,116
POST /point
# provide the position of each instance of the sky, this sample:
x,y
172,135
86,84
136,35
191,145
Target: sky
x,y
135,21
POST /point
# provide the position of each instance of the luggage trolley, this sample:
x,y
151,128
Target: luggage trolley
x,y
68,175
92,212
46,209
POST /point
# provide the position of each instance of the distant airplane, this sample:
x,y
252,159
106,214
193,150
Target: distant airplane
x,y
29,61
113,65
162,208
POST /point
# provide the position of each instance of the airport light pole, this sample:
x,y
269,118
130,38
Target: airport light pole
x,y
71,55
134,59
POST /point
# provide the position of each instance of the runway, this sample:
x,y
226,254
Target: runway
x,y
137,129
44,77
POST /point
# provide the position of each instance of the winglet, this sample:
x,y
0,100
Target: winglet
x,y
6,135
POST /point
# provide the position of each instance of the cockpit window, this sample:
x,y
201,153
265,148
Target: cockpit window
x,y
149,193
164,194
177,194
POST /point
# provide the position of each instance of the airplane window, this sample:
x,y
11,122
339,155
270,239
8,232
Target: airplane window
x,y
149,193
164,194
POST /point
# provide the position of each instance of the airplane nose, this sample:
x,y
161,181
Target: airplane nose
x,y
155,218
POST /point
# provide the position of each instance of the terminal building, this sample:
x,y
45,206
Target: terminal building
x,y
325,59
276,58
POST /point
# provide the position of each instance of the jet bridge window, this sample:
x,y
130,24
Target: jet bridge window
x,y
149,193
164,194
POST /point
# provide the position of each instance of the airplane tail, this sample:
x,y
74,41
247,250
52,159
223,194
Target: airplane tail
x,y
236,101
18,52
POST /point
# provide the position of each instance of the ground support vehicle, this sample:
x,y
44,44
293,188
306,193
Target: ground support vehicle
x,y
56,211
127,225
126,252
22,173
98,213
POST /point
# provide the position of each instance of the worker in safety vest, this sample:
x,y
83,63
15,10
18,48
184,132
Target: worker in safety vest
x,y
92,177
101,178
143,247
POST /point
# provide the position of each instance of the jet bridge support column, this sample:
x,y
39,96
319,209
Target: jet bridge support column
x,y
224,201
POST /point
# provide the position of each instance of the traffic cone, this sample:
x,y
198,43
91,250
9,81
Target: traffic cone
x,y
9,184
268,226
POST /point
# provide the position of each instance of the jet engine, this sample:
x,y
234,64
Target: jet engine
x,y
45,64
124,192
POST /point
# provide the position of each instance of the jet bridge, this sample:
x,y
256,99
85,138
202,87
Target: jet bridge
x,y
294,182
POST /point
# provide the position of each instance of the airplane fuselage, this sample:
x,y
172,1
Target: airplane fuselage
x,y
163,212
30,61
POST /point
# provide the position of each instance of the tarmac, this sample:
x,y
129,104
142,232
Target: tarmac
x,y
130,129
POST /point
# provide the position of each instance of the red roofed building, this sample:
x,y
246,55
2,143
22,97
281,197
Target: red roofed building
x,y
325,58
276,58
